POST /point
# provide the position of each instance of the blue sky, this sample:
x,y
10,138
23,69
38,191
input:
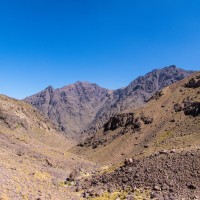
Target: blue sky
x,y
109,42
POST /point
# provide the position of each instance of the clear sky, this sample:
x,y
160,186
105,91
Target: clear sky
x,y
109,42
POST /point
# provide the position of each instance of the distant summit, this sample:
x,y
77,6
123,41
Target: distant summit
x,y
72,107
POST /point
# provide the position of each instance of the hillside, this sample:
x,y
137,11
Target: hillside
x,y
82,108
137,93
161,141
160,124
34,158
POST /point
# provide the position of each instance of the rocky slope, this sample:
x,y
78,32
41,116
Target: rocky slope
x,y
137,93
170,119
72,107
163,176
159,142
84,107
33,153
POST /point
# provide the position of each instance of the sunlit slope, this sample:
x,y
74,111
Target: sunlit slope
x,y
34,158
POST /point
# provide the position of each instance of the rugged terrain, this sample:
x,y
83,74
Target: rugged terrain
x,y
137,151
33,153
84,107
166,121
160,143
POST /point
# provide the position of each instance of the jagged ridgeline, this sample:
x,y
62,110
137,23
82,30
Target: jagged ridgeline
x,y
82,108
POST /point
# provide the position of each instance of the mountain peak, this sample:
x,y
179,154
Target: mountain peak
x,y
83,83
172,66
50,88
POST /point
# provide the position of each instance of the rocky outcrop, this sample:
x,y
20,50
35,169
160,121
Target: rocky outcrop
x,y
122,123
156,96
17,115
194,82
192,108
122,120
189,107
13,121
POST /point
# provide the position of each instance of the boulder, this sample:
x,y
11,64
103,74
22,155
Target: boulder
x,y
193,82
122,120
156,96
178,107
74,175
192,108
128,161
192,187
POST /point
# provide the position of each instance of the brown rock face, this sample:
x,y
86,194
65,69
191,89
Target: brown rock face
x,y
192,108
85,108
122,120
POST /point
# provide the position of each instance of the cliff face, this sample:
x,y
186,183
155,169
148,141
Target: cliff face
x,y
84,107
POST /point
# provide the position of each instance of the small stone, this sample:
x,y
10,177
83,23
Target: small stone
x,y
164,152
157,188
110,190
178,107
99,192
82,170
73,175
192,187
172,151
130,197
78,189
85,195
128,161
153,195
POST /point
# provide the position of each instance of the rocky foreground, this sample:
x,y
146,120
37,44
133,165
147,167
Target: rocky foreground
x,y
168,175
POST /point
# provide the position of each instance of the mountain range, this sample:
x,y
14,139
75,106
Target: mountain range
x,y
87,142
82,108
